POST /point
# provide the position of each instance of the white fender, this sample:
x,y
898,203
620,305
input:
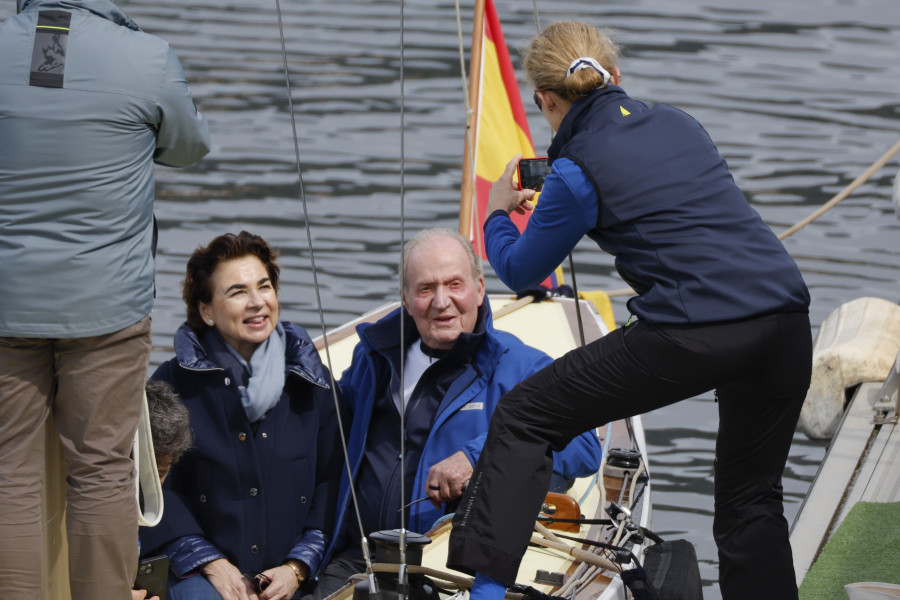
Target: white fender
x,y
871,590
857,342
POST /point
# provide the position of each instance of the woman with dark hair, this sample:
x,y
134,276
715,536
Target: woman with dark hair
x,y
170,431
247,508
720,305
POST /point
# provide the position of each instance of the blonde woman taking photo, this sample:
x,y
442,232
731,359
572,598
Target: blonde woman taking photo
x,y
720,305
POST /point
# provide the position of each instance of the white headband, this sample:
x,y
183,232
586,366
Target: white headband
x,y
586,62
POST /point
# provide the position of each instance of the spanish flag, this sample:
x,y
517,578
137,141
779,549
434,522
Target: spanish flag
x,y
501,127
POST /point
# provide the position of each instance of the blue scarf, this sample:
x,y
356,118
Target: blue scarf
x,y
266,375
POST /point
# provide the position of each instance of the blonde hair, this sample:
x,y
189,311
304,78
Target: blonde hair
x,y
548,56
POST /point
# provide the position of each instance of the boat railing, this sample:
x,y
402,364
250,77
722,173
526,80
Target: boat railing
x,y
887,402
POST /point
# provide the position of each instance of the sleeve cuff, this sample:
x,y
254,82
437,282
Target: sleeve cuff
x,y
496,213
470,455
188,553
310,549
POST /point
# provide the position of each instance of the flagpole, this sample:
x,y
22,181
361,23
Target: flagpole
x,y
467,188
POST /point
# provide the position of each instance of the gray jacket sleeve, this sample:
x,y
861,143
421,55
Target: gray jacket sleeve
x,y
183,134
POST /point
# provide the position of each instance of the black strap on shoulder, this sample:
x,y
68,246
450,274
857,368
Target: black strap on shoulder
x,y
48,59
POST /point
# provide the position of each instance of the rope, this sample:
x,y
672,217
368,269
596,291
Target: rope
x,y
462,59
843,193
607,446
462,583
582,575
634,481
513,306
554,543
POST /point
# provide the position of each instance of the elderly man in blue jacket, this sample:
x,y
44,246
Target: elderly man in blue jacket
x,y
456,367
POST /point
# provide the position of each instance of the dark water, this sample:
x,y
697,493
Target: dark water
x,y
801,97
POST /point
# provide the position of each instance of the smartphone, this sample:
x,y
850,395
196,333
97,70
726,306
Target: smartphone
x,y
153,575
532,172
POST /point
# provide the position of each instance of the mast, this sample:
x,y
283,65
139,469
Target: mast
x,y
467,189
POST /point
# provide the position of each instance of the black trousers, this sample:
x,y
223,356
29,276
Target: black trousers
x,y
760,369
338,571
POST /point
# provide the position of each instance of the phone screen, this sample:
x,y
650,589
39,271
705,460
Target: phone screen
x,y
532,172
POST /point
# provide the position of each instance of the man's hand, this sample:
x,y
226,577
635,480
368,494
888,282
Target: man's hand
x,y
506,195
228,581
447,479
141,595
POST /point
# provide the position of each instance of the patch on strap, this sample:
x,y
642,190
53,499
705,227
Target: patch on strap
x,y
48,59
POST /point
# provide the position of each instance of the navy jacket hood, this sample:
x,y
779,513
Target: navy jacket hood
x,y
600,98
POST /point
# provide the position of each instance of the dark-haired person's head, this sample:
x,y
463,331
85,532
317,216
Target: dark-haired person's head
x,y
170,425
232,284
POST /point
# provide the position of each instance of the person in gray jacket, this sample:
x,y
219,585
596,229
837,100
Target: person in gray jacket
x,y
88,103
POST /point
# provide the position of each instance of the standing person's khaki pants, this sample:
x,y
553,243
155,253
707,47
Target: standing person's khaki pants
x,y
94,387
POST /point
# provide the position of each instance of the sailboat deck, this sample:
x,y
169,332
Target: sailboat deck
x,y
863,464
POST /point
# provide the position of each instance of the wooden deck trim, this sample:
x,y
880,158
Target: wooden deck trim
x,y
878,480
348,329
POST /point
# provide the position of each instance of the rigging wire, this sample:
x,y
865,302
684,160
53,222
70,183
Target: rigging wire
x,y
537,16
577,302
373,587
462,60
402,576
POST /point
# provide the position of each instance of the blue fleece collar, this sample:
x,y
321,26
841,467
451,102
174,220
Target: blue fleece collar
x,y
300,354
569,126
383,336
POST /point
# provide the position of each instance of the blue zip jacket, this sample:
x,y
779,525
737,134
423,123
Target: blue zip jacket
x,y
254,494
461,423
649,186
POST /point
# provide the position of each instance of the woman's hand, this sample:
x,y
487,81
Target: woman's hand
x,y
228,581
141,595
505,194
284,583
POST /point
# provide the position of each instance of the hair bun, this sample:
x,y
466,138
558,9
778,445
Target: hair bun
x,y
586,62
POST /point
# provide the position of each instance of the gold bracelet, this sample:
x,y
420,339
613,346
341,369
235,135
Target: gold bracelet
x,y
296,571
